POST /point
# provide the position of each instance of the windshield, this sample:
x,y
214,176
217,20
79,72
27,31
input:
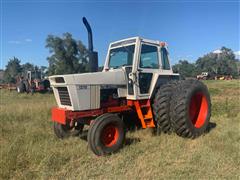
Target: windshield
x,y
122,56
34,75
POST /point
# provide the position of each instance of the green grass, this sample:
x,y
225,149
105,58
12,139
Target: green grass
x,y
30,150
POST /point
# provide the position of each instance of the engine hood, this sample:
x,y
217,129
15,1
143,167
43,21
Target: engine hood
x,y
114,77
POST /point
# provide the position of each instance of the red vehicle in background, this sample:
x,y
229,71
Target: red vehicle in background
x,y
32,82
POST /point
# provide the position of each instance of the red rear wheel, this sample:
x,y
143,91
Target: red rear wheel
x,y
190,109
198,109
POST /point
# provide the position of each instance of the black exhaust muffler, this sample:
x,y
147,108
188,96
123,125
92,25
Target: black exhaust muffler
x,y
92,55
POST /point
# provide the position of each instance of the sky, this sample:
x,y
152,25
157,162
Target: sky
x,y
190,28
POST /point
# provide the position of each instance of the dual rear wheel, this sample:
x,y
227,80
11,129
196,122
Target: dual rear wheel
x,y
183,107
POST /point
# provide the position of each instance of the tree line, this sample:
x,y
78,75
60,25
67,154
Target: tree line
x,y
223,62
68,56
15,69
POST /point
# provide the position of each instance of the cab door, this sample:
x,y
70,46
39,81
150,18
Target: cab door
x,y
147,66
165,65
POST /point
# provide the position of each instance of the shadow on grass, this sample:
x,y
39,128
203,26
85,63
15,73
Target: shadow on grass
x,y
84,134
128,141
210,127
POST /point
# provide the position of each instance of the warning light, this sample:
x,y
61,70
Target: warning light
x,y
162,44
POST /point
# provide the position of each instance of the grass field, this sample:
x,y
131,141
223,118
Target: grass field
x,y
29,148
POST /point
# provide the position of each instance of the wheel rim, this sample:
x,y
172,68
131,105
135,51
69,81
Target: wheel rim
x,y
109,135
198,109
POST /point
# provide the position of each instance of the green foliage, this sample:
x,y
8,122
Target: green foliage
x,y
185,68
67,55
28,67
1,76
13,69
223,63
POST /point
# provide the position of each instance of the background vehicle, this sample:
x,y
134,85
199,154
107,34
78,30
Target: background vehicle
x,y
211,76
137,77
33,81
203,76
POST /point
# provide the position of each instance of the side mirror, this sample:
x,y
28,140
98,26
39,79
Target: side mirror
x,y
130,76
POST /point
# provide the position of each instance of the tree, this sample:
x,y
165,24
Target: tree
x,y
207,63
227,62
13,69
221,63
27,67
67,55
185,68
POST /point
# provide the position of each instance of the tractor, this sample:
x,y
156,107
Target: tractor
x,y
33,81
136,78
203,76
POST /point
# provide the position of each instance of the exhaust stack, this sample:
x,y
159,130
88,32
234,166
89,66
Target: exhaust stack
x,y
92,55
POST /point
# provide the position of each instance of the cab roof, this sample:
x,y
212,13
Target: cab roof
x,y
133,40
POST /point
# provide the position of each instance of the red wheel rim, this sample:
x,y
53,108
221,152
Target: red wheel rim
x,y
198,109
109,135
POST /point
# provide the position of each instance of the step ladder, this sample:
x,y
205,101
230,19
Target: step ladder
x,y
144,111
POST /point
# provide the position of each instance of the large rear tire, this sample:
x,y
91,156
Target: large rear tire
x,y
106,134
190,109
161,106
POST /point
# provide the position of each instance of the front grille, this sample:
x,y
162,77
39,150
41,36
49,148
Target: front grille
x,y
64,96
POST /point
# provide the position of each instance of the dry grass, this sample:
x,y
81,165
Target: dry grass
x,y
29,149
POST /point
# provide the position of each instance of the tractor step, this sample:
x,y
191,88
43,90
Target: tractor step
x,y
144,112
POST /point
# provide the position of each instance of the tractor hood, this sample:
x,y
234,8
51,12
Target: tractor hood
x,y
113,77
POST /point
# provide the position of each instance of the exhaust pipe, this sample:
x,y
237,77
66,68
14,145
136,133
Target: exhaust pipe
x,y
92,55
89,30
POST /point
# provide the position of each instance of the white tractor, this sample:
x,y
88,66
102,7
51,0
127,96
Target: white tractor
x,y
136,78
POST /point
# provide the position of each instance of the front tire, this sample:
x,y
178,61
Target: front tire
x,y
106,134
190,109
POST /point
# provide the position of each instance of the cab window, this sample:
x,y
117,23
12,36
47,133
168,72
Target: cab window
x,y
122,56
164,58
149,57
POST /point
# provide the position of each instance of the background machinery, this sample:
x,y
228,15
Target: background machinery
x,y
33,81
137,78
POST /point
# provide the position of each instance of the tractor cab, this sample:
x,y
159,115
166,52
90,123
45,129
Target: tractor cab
x,y
143,61
33,75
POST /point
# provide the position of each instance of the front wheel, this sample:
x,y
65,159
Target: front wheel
x,y
106,134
